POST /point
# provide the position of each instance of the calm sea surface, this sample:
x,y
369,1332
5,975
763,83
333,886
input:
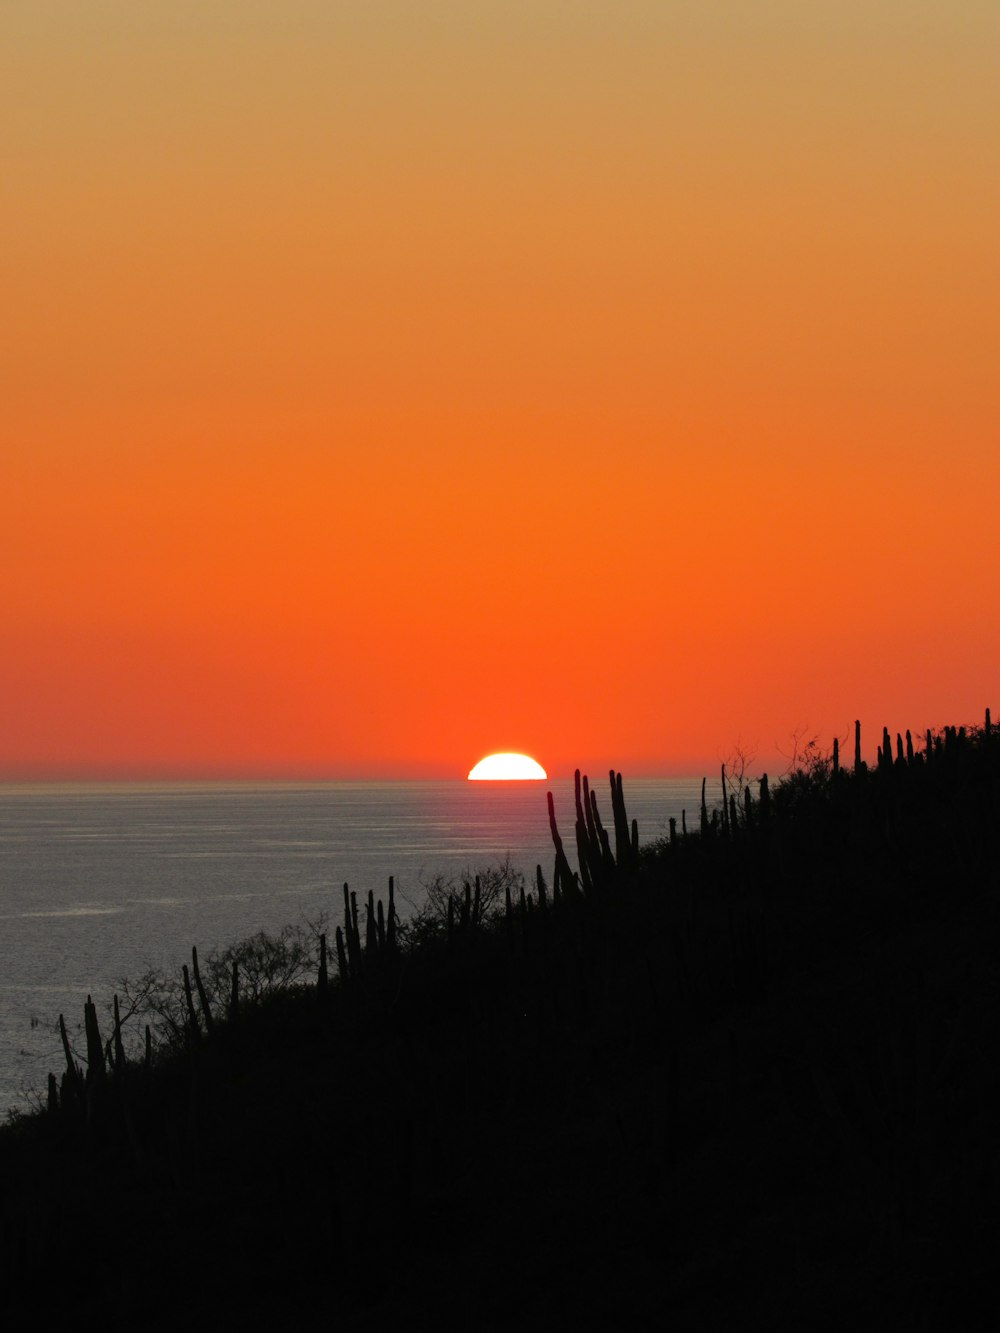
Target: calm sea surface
x,y
98,882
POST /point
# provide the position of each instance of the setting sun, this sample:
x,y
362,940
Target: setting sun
x,y
506,767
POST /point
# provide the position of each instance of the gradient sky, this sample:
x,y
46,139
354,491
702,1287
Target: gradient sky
x,y
384,383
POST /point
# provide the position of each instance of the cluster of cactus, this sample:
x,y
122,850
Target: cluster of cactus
x,y
737,809
889,756
884,754
194,1027
104,1059
380,936
526,900
465,915
599,865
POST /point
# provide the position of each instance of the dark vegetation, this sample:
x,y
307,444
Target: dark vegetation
x,y
745,1077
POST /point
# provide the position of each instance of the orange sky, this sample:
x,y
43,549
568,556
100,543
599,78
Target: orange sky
x,y
383,384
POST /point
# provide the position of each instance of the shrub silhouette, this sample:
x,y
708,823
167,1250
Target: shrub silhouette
x,y
251,968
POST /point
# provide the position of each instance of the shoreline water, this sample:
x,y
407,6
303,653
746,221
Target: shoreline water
x,y
101,880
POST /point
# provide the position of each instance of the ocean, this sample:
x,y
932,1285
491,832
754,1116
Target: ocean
x,y
102,881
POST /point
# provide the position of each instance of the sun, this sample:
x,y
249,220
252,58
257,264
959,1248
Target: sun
x,y
507,768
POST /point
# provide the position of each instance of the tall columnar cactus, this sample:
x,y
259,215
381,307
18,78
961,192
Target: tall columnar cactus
x,y
909,746
885,750
858,761
563,876
588,815
194,1031
351,934
704,810
626,836
620,819
206,1008
390,927
323,980
583,853
465,919
371,929
355,931
765,800
607,859
96,1069
71,1079
836,757
602,861
119,1048
71,1067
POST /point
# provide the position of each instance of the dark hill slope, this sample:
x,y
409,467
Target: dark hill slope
x,y
746,1078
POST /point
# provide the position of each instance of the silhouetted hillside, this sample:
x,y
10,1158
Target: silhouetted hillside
x,y
742,1078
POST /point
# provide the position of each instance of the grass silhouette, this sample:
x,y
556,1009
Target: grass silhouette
x,y
742,1077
